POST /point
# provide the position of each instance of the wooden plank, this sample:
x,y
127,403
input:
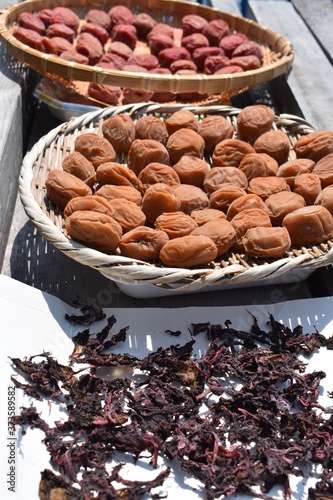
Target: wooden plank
x,y
311,75
318,16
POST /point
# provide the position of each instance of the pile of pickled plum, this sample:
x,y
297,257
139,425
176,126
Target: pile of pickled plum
x,y
124,41
195,189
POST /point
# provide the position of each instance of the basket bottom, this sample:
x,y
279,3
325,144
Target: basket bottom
x,y
139,290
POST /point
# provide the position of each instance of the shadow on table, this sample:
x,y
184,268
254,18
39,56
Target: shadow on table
x,y
36,262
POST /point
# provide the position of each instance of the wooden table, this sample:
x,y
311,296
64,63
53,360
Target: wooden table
x,y
306,91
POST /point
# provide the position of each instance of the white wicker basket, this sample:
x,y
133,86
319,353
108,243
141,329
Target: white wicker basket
x,y
231,270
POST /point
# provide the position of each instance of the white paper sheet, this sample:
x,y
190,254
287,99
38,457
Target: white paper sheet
x,y
32,322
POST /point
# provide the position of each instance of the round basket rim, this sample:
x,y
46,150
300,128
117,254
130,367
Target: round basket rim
x,y
128,270
54,67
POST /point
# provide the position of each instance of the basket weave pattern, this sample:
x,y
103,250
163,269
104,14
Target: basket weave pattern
x,y
47,154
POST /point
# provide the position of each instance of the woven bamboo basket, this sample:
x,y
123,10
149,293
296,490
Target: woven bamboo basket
x,y
278,52
230,269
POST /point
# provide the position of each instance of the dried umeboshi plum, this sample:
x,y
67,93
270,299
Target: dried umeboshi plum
x,y
144,23
95,148
167,56
253,121
111,192
249,48
325,198
91,202
218,176
158,42
96,230
192,23
215,30
94,29
280,204
151,127
275,143
68,17
247,63
175,224
215,63
98,16
265,186
188,251
89,46
258,165
229,70
106,93
62,186
127,213
72,55
120,14
181,119
245,220
185,142
220,231
310,225
31,38
308,186
49,16
181,64
155,173
245,202
315,145
145,151
194,41
230,152
116,174
292,168
136,95
192,170
324,169
143,243
266,242
163,29
230,42
214,129
191,197
76,164
31,22
200,55
125,33
119,49
201,216
119,130
159,198
148,61
222,197
60,30
62,45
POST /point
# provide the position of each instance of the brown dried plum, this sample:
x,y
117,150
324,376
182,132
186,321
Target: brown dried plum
x,y
230,152
185,142
246,202
95,230
76,164
220,231
218,176
111,192
275,143
155,173
119,130
95,148
315,145
222,197
191,197
324,169
181,119
201,216
175,224
325,198
188,251
265,186
62,186
292,168
91,202
151,127
159,198
308,186
127,213
280,204
253,121
266,242
258,165
214,129
145,151
192,170
310,225
116,174
245,220
143,243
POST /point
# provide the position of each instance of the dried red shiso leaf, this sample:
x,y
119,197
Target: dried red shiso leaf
x,y
254,434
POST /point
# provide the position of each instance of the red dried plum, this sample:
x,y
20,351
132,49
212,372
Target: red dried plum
x,y
215,30
199,55
230,43
97,16
94,29
125,33
194,41
30,21
90,47
193,23
119,14
60,30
